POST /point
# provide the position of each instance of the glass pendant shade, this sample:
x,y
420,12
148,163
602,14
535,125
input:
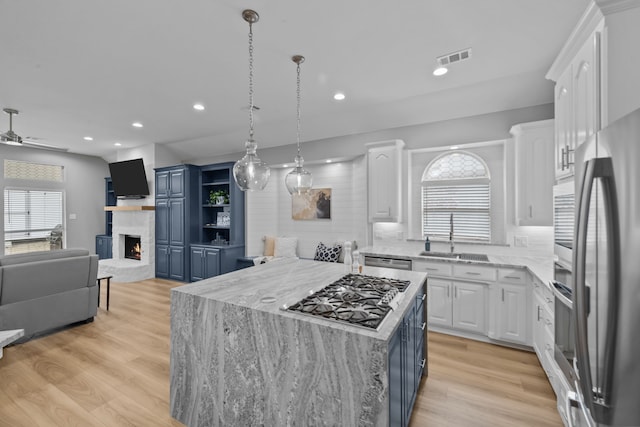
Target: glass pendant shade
x,y
251,173
299,180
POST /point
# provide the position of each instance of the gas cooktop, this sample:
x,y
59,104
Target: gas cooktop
x,y
355,299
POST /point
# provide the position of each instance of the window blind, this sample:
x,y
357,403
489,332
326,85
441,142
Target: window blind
x,y
31,214
470,205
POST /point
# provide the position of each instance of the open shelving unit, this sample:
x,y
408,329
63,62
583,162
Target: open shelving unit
x,y
215,178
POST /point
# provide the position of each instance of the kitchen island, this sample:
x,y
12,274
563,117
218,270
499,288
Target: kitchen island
x,y
238,358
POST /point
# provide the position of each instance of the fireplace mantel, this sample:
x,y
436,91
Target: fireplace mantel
x,y
130,208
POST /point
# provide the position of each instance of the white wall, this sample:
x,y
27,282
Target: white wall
x,y
269,211
83,186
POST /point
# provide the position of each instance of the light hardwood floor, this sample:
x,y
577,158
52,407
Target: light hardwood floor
x,y
115,372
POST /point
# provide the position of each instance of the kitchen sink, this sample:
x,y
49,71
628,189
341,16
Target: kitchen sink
x,y
461,256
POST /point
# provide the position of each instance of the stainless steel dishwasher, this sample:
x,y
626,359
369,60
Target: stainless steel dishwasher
x,y
399,264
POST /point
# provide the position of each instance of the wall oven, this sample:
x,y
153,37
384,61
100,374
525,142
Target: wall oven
x,y
564,338
563,222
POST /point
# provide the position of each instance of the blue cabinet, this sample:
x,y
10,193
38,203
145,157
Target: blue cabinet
x,y
176,219
195,238
103,241
103,246
406,363
209,261
205,262
172,182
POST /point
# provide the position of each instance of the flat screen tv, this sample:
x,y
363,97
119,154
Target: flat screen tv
x,y
129,179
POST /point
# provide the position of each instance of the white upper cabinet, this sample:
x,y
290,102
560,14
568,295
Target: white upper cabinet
x,y
596,75
534,153
585,71
564,134
385,183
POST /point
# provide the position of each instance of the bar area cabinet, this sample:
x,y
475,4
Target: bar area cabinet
x,y
198,236
221,221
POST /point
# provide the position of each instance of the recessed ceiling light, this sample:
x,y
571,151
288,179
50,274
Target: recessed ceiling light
x,y
136,124
339,96
453,147
198,107
117,144
440,71
88,138
329,160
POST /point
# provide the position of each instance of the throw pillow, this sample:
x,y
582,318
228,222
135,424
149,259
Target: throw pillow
x,y
328,253
285,247
269,245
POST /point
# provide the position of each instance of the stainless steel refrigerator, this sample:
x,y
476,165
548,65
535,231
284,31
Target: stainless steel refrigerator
x,y
606,262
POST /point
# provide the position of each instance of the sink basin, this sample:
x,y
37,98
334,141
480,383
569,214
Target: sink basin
x,y
462,256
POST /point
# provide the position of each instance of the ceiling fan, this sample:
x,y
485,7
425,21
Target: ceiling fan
x,y
12,138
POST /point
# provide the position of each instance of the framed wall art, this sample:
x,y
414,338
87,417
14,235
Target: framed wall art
x,y
316,204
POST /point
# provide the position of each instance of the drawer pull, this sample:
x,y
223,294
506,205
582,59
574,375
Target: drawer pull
x,y
431,269
422,363
424,325
513,277
472,273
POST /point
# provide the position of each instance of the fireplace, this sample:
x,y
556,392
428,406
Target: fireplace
x,y
132,247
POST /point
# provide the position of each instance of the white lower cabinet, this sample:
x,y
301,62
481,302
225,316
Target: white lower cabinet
x,y
458,305
469,306
479,299
439,302
511,308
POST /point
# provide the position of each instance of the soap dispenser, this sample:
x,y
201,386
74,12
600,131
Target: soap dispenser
x,y
427,245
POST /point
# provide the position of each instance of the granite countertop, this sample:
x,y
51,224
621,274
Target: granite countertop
x,y
541,266
267,287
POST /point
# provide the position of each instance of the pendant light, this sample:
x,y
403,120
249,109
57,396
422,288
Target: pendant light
x,y
299,180
251,173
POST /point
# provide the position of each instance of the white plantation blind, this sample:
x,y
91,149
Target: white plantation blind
x,y
457,184
469,204
31,214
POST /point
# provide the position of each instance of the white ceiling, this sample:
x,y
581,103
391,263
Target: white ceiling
x,y
78,68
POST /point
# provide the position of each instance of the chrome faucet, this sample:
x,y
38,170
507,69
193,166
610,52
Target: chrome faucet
x,y
451,233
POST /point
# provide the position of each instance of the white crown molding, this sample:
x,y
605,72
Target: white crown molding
x,y
530,126
588,23
614,6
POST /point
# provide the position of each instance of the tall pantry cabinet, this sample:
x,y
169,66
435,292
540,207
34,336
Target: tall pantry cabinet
x,y
176,219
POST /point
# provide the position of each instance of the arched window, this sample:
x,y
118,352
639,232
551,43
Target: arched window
x,y
456,195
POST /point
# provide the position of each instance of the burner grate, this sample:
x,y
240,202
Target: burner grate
x,y
355,299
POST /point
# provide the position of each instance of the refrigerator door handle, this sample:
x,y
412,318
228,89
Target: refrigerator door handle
x,y
596,396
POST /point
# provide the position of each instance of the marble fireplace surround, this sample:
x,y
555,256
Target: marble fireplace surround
x,y
134,221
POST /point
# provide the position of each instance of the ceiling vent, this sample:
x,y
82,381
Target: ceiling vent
x,y
450,58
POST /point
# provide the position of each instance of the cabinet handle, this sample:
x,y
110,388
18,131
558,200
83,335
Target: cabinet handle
x,y
424,325
568,152
423,363
512,277
472,273
455,292
420,297
538,313
562,166
431,269
530,211
503,295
